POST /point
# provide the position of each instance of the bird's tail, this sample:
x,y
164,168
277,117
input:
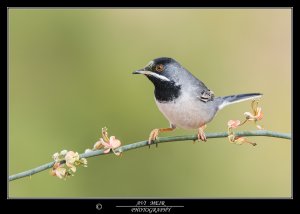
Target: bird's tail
x,y
228,100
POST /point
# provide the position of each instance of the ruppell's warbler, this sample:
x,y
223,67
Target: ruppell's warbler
x,y
183,99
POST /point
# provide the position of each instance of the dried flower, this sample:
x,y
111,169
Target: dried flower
x,y
55,156
58,171
84,162
233,123
112,144
63,152
109,143
70,158
256,115
98,144
69,167
241,140
67,161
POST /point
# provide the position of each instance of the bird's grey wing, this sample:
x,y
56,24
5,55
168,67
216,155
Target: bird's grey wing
x,y
200,89
204,94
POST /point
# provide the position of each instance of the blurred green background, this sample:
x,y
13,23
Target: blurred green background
x,y
70,75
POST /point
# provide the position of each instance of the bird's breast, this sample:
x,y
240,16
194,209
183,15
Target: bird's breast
x,y
186,112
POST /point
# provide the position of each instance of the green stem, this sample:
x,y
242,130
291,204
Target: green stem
x,y
159,140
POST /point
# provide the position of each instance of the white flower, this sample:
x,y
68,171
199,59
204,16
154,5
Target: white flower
x,y
70,158
63,152
58,171
55,156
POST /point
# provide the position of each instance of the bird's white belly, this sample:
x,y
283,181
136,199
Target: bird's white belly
x,y
185,114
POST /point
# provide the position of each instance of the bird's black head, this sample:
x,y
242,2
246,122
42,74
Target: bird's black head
x,y
163,72
160,70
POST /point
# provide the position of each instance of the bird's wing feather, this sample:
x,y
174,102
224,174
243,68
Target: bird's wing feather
x,y
203,93
206,95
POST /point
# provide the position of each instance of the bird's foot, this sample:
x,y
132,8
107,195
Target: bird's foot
x,y
153,136
201,134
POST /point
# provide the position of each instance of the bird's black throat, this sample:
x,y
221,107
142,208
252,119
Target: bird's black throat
x,y
165,91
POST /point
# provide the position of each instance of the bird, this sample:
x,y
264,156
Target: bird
x,y
183,99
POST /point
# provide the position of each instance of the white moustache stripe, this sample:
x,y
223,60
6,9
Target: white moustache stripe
x,y
158,76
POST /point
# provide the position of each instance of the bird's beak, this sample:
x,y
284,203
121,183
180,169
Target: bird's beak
x,y
142,71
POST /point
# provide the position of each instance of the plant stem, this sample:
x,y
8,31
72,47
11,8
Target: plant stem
x,y
159,140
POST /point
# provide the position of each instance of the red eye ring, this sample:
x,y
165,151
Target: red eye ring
x,y
159,68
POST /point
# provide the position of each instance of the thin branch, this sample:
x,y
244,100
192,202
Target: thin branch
x,y
159,140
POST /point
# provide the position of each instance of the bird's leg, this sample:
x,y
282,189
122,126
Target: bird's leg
x,y
201,134
154,133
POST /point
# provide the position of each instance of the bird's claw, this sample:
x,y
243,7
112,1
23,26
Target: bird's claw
x,y
201,137
201,134
153,136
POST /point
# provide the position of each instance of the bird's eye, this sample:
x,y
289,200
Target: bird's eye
x,y
159,68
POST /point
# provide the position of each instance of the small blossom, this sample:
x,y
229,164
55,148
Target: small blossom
x,y
239,140
233,123
112,144
66,161
256,115
55,166
52,172
257,112
98,144
55,156
72,168
109,143
63,152
67,169
71,157
84,162
105,134
58,171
